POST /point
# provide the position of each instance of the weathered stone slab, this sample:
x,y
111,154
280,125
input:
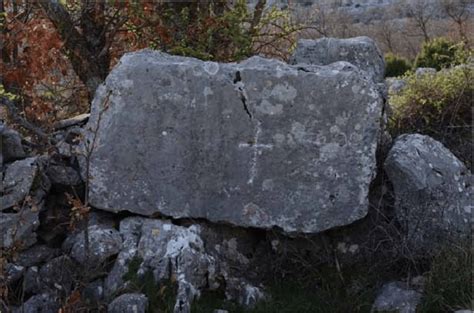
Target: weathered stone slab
x,y
359,51
260,143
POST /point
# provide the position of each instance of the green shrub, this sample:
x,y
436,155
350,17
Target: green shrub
x,y
222,33
441,53
437,105
396,66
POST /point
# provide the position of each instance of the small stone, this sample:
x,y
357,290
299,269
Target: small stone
x,y
93,293
396,297
10,144
244,293
58,275
127,303
395,85
18,181
36,255
103,243
13,272
44,303
63,175
32,280
422,71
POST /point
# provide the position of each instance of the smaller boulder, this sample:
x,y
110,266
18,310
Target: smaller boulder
x,y
359,51
433,191
129,302
396,297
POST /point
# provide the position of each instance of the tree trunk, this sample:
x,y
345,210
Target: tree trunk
x,y
83,49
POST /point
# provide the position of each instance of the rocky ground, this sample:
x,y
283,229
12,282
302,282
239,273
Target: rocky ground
x,y
239,166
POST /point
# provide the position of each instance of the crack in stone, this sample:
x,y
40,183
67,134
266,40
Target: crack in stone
x,y
240,88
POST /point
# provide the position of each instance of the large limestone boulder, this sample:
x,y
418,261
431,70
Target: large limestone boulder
x,y
433,190
359,51
260,143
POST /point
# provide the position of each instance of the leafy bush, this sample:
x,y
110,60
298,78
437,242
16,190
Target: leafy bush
x,y
220,33
441,53
438,105
220,36
396,66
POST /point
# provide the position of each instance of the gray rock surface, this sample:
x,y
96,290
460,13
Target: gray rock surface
x,y
103,243
11,148
18,181
42,303
23,190
395,85
359,51
259,143
56,277
129,302
93,292
244,293
36,255
433,190
63,175
168,250
31,279
396,297
18,228
13,272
